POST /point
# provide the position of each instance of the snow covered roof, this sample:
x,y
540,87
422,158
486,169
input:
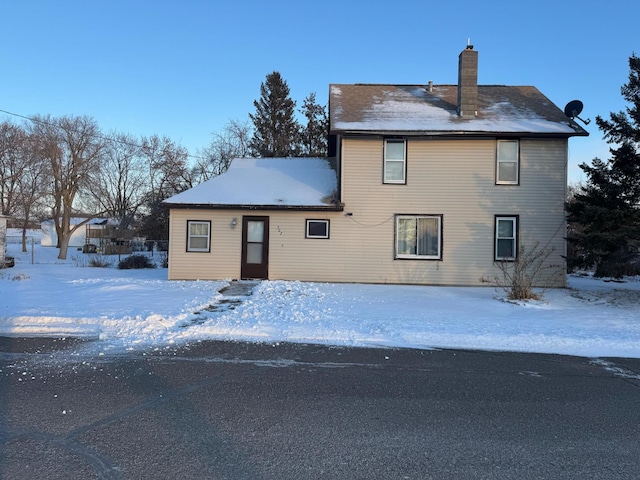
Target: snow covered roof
x,y
418,109
273,183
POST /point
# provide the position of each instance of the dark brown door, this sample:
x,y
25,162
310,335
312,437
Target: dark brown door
x,y
255,247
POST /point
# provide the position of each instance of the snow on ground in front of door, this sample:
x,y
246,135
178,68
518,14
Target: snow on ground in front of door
x,y
141,309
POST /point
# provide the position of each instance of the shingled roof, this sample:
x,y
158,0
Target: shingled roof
x,y
432,110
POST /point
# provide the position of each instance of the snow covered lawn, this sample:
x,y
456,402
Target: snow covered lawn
x,y
131,309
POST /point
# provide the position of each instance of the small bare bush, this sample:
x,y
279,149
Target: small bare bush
x,y
100,261
519,276
92,260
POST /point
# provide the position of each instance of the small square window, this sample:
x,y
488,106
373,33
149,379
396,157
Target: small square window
x,y
506,239
394,161
317,229
198,236
507,162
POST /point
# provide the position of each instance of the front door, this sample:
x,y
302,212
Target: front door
x,y
255,248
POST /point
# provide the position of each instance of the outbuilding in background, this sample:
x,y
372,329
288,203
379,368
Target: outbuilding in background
x,y
49,236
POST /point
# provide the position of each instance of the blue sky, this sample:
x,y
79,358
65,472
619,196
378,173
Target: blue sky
x,y
184,69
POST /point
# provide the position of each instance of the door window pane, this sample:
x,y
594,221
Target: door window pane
x,y
254,253
255,231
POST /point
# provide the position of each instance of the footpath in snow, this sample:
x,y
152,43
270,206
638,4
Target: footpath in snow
x,y
138,309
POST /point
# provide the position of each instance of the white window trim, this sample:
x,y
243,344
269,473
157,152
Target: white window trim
x,y
308,234
190,236
404,162
514,220
405,256
499,161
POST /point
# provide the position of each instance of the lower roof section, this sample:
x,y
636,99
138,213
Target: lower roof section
x,y
266,184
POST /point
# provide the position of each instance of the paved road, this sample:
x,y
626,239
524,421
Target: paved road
x,y
219,410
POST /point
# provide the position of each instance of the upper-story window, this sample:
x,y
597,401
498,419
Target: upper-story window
x,y
507,162
395,161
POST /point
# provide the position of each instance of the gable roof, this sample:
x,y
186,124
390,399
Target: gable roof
x,y
266,183
420,109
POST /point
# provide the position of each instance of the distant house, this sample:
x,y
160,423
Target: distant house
x,y
429,184
49,236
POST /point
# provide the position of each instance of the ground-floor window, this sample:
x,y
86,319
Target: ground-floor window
x,y
317,229
419,237
198,236
506,238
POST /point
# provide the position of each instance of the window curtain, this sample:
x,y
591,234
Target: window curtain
x,y
427,236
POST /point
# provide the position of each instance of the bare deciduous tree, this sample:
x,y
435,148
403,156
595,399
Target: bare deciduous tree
x,y
120,185
73,147
168,175
232,143
167,164
32,186
12,165
22,175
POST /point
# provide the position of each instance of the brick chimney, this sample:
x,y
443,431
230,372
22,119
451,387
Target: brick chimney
x,y
468,83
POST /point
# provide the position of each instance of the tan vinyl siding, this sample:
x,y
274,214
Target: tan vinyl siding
x,y
220,262
452,178
457,180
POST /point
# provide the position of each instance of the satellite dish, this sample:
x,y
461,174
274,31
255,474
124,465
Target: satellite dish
x,y
573,109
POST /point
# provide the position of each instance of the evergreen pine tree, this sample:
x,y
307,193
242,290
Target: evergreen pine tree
x,y
606,213
276,129
314,135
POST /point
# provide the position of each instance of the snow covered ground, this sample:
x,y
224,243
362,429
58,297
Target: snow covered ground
x,y
141,309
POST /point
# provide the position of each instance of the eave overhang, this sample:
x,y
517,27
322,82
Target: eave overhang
x,y
300,208
454,134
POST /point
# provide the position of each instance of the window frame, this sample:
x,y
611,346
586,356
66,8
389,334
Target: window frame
x,y
499,161
191,249
515,219
386,181
416,256
307,234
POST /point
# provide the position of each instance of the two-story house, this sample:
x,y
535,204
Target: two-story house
x,y
426,184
